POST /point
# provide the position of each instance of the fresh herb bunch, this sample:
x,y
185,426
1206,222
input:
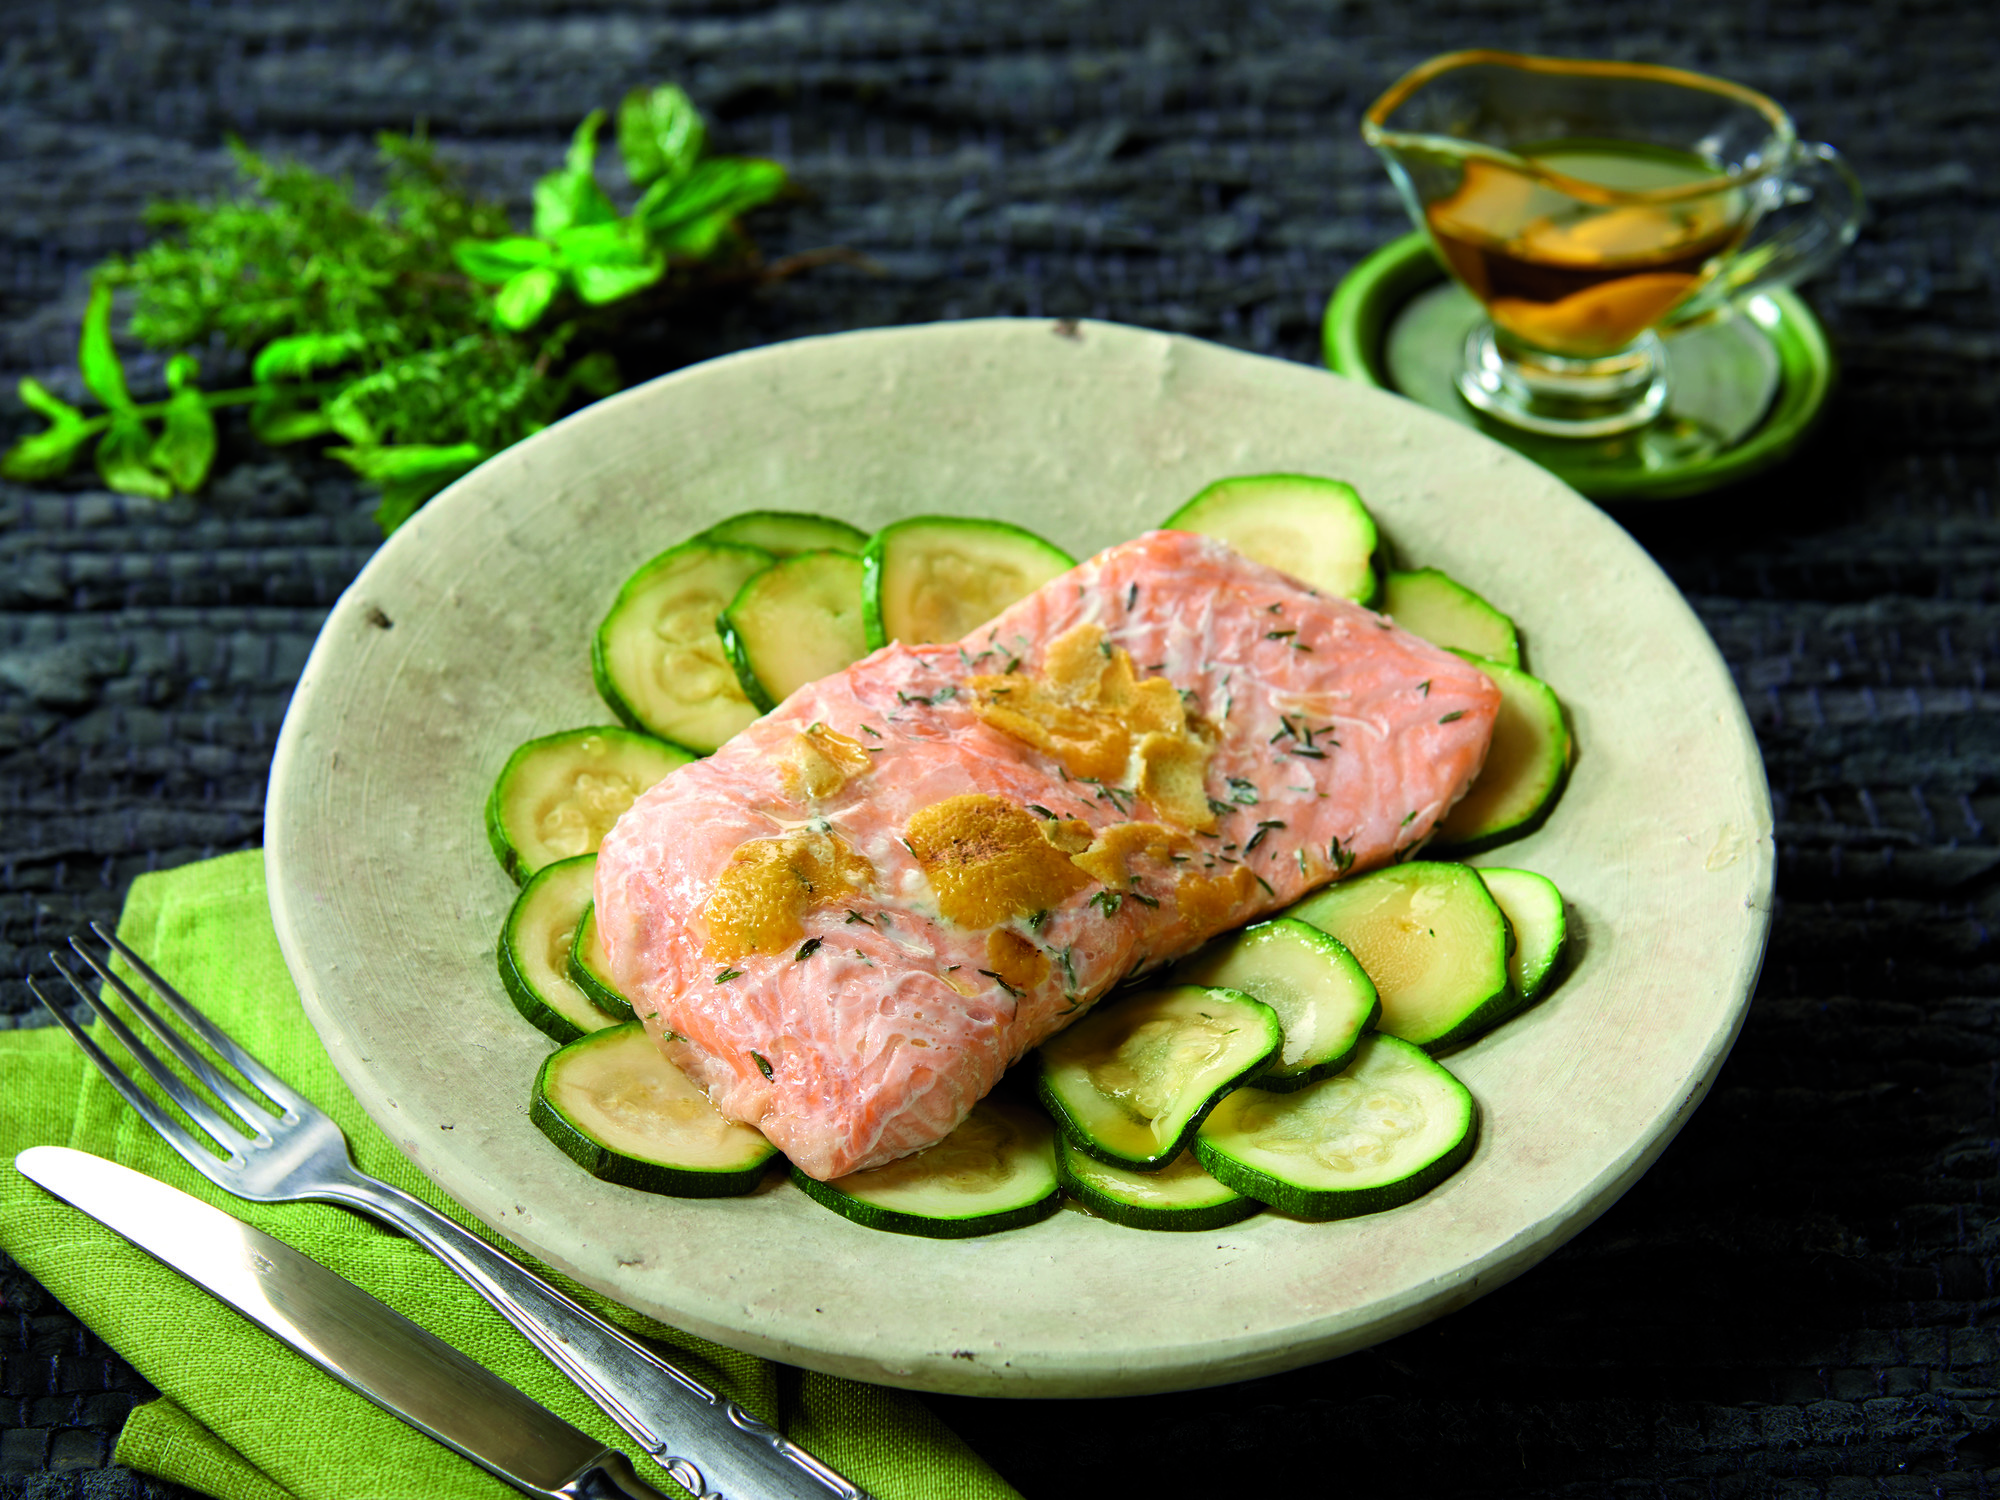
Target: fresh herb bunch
x,y
421,331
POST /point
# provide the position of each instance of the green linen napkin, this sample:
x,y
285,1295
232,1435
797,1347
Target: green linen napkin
x,y
243,1418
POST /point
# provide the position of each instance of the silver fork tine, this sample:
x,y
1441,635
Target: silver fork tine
x,y
175,1133
223,1088
196,1107
274,1087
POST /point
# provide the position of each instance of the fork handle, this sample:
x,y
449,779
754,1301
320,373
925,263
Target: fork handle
x,y
711,1446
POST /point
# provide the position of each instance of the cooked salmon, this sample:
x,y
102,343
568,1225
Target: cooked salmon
x,y
852,918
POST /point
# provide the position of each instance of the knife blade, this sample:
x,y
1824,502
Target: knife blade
x,y
362,1342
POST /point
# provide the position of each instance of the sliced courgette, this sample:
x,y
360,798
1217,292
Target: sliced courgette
x,y
1445,612
559,795
657,658
1533,908
1317,530
588,967
797,621
1129,1083
1389,1129
996,1171
1180,1196
1432,940
938,578
535,943
1526,766
784,533
1323,997
625,1114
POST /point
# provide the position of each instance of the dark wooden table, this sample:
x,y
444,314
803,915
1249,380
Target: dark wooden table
x,y
1799,1299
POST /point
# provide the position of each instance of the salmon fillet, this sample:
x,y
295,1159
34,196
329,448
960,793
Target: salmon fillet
x,y
852,918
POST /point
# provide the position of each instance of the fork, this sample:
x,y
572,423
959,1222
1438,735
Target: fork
x,y
299,1155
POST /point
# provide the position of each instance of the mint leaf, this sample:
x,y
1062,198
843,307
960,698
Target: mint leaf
x,y
682,215
279,417
660,134
38,397
186,445
609,261
498,260
298,356
571,197
124,459
102,371
525,297
182,372
48,454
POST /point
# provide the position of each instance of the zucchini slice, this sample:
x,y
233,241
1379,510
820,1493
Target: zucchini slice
x,y
1533,908
627,1115
657,658
1525,769
535,943
996,1171
1445,612
589,968
1389,1129
797,621
1129,1083
785,533
1432,940
939,578
559,795
1180,1196
1324,999
1317,530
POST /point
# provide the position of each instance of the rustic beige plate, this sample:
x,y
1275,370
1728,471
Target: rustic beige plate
x,y
469,633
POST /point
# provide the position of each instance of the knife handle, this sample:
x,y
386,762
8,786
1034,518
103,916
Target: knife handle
x,y
711,1446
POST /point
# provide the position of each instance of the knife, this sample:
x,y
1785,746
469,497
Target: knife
x,y
360,1341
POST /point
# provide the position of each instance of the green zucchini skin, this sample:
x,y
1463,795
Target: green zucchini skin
x,y
561,1016
1219,1146
1255,960
696,580
641,758
1076,1169
1028,1194
892,549
1284,522
602,1161
1528,706
1438,608
585,974
1534,911
1072,1101
785,533
1430,1013
802,612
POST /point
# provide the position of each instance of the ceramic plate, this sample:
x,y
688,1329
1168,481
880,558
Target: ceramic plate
x,y
469,632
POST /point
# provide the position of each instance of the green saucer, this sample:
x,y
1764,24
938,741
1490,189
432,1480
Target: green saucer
x,y
1746,387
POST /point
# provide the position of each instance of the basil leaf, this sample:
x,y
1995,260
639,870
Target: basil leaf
x,y
47,454
38,397
299,355
497,260
609,261
186,446
182,370
97,359
525,297
123,459
279,417
721,187
660,134
572,196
